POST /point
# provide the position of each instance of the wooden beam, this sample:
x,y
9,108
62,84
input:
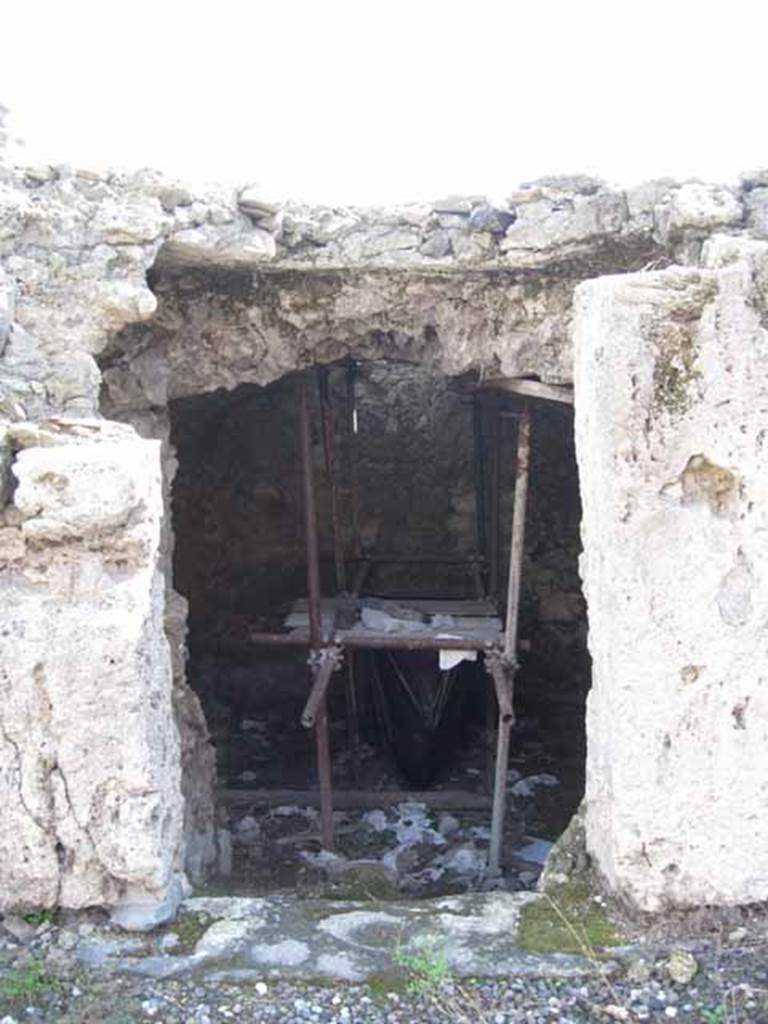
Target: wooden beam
x,y
531,389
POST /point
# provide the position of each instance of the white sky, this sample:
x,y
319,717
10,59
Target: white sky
x,y
367,102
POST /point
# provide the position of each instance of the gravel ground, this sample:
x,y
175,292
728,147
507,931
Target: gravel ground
x,y
730,986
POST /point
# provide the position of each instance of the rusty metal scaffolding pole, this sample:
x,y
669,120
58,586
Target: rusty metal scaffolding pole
x,y
324,776
324,664
351,452
310,525
332,466
481,532
494,501
315,622
510,638
353,718
377,641
350,428
329,444
489,413
478,462
522,471
478,465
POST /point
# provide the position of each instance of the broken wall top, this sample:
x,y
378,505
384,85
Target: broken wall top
x,y
76,246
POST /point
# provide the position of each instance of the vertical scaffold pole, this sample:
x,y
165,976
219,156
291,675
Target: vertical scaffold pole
x,y
315,622
510,635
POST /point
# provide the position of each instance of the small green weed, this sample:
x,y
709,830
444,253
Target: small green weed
x,y
38,917
715,1016
427,968
429,978
25,982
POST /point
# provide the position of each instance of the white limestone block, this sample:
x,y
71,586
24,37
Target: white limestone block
x,y
671,385
89,754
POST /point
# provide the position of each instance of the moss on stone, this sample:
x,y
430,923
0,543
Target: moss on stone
x,y
675,368
566,919
675,339
188,928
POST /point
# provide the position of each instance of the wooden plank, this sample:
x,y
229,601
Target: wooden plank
x,y
531,389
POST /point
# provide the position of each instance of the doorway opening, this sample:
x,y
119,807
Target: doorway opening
x,y
413,477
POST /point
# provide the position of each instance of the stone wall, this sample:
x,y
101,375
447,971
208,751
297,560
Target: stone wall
x,y
89,755
672,438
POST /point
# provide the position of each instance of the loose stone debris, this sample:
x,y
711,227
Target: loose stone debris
x,y
405,849
400,849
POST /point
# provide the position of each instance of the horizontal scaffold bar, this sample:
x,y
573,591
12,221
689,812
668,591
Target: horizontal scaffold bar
x,y
380,641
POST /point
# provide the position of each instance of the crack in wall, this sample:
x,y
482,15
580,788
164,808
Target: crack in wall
x,y
49,770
